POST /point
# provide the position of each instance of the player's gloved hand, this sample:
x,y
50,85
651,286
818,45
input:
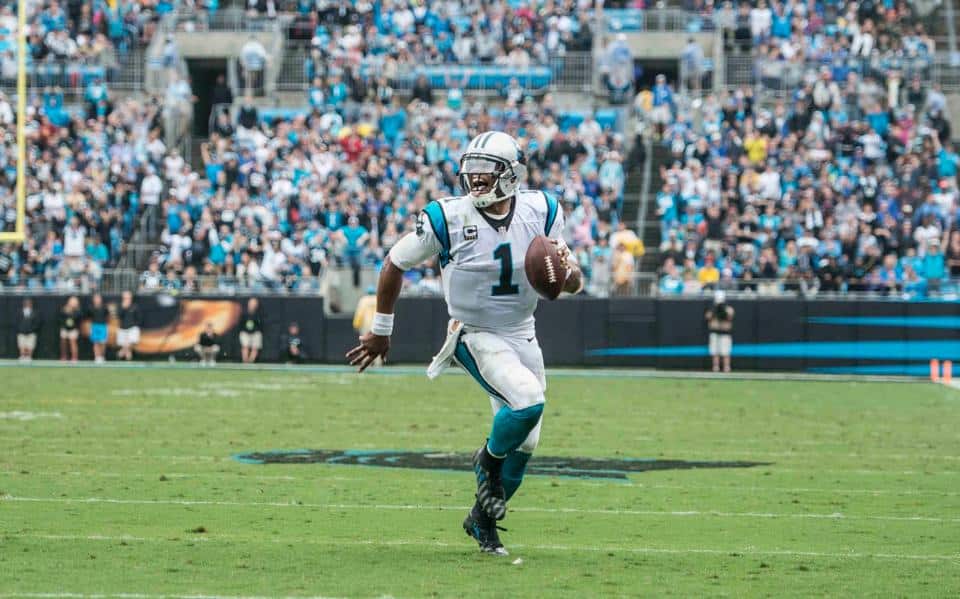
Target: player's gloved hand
x,y
371,347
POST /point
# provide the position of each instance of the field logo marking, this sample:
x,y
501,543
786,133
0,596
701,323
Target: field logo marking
x,y
426,460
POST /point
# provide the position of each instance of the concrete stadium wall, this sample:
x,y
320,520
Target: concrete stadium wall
x,y
667,44
772,334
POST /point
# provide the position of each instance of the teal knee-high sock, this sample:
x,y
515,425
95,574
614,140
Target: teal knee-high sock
x,y
511,427
513,468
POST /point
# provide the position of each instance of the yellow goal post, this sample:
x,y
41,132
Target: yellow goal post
x,y
19,231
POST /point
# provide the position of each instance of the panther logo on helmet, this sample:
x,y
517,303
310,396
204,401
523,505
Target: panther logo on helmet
x,y
492,168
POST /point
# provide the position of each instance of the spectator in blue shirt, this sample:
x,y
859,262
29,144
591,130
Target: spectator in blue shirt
x,y
671,283
317,95
94,95
662,112
392,123
97,251
356,237
781,23
934,265
53,18
879,120
947,159
612,175
913,284
667,209
338,90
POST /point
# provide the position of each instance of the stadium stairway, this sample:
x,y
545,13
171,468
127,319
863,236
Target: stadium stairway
x,y
632,190
934,15
660,157
293,75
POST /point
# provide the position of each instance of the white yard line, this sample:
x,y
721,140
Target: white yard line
x,y
612,483
142,596
405,507
459,546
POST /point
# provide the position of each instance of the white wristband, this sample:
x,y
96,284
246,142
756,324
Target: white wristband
x,y
382,324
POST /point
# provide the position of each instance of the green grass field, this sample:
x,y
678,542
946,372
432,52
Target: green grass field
x,y
122,481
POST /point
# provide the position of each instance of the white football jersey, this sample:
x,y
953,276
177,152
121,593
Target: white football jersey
x,y
482,258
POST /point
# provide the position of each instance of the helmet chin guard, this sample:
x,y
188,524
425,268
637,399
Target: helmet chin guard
x,y
485,199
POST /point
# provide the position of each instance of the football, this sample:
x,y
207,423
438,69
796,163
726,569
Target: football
x,y
543,268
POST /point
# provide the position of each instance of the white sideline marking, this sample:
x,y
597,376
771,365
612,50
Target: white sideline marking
x,y
586,548
536,510
240,477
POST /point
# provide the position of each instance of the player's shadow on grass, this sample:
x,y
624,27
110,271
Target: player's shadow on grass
x,y
543,465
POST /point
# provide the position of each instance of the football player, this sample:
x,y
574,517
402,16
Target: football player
x,y
481,239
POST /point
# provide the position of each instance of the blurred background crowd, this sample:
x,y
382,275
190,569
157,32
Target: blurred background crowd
x,y
832,171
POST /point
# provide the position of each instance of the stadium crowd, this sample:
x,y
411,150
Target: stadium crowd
x,y
840,188
848,184
388,34
279,198
83,178
72,43
883,42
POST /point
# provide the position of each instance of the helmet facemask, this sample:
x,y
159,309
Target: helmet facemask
x,y
488,179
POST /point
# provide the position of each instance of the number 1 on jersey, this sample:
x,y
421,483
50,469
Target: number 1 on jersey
x,y
506,286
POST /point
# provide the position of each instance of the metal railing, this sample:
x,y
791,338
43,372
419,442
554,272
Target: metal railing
x,y
635,20
336,284
71,76
571,72
951,31
140,253
227,20
782,77
117,280
946,72
293,68
947,291
130,75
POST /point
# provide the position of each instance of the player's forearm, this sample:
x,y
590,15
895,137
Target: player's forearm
x,y
388,287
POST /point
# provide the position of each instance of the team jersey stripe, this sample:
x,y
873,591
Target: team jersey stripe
x,y
552,208
438,222
463,355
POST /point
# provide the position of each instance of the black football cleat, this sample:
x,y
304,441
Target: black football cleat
x,y
490,494
483,529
